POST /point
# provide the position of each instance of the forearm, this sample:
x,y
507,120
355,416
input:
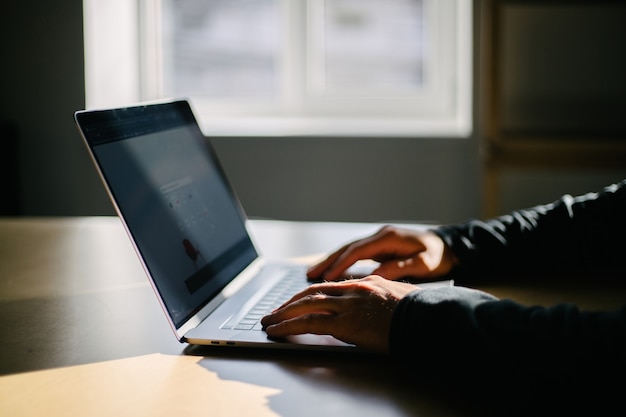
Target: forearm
x,y
569,234
470,340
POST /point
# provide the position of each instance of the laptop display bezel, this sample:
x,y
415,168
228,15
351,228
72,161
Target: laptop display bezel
x,y
182,108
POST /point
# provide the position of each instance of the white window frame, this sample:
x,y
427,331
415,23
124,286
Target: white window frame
x,y
123,62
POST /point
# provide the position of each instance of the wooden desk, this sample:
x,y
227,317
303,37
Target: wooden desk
x,y
83,334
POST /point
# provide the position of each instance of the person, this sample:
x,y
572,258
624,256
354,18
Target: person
x,y
536,357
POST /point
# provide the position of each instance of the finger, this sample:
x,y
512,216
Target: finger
x,y
333,267
392,270
416,267
310,304
325,288
318,298
309,323
402,268
375,250
316,271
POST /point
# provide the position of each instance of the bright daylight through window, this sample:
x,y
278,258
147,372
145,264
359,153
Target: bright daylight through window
x,y
289,67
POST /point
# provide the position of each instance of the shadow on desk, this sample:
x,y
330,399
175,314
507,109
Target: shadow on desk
x,y
347,384
329,383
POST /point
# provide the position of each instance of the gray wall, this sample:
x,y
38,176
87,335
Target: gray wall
x,y
355,179
366,179
42,83
563,76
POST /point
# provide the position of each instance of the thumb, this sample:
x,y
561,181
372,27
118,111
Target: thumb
x,y
414,267
397,269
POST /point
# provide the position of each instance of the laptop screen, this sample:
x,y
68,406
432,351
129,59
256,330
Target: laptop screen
x,y
174,198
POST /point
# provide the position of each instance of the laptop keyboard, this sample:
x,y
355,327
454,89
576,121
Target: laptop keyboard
x,y
284,289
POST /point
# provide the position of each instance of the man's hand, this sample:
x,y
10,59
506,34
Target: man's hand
x,y
355,311
401,253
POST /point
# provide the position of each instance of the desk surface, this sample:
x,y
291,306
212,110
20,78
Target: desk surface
x,y
82,329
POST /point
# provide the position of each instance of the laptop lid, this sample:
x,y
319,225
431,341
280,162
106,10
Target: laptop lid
x,y
174,200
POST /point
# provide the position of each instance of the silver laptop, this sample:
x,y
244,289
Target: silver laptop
x,y
188,227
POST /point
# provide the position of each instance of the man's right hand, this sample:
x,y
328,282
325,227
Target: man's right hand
x,y
401,253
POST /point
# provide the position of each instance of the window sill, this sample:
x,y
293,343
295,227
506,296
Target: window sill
x,y
344,127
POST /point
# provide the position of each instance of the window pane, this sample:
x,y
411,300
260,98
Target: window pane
x,y
220,48
373,45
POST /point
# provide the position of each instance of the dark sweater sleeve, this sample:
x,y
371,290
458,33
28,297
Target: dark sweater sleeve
x,y
531,359
494,348
573,233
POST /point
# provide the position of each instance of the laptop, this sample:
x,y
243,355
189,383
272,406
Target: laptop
x,y
188,228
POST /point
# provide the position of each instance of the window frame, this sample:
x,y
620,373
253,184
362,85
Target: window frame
x,y
443,109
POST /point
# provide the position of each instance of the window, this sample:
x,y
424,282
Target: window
x,y
289,67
